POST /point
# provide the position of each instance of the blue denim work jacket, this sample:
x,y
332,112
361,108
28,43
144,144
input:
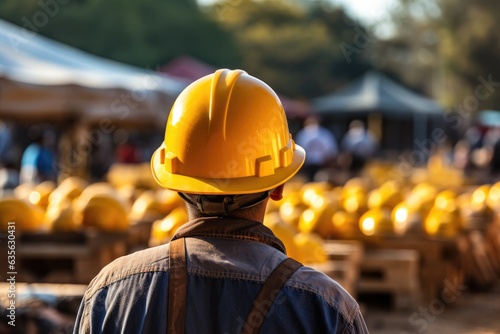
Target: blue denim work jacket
x,y
228,260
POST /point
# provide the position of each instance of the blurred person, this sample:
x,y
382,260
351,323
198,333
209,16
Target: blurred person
x,y
360,144
74,146
492,144
9,174
5,140
495,157
127,151
320,145
223,271
474,138
38,162
100,160
461,156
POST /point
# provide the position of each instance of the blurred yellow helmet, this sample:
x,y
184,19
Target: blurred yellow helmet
x,y
227,133
105,212
19,212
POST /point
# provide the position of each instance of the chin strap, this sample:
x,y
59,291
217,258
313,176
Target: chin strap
x,y
224,204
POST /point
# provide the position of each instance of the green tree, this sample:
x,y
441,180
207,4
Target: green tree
x,y
447,49
145,33
469,35
295,47
303,49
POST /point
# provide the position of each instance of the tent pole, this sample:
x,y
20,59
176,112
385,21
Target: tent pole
x,y
74,150
375,125
420,134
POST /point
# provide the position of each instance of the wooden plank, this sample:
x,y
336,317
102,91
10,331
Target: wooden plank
x,y
52,259
492,236
343,272
139,234
57,290
436,257
477,262
50,250
351,250
391,271
345,259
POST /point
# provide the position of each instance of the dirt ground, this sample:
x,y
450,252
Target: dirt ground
x,y
470,313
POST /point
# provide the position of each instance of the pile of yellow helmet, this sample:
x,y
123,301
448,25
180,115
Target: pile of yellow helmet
x,y
359,209
68,207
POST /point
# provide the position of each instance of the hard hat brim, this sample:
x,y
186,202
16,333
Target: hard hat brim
x,y
221,186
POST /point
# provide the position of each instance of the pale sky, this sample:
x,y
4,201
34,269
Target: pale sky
x,y
368,11
372,12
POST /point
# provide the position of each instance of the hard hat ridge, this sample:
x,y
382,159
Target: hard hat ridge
x,y
222,86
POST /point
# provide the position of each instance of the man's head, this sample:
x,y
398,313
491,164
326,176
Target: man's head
x,y
312,121
227,144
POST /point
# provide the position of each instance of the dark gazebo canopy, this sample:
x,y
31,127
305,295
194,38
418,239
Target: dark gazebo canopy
x,y
376,92
399,116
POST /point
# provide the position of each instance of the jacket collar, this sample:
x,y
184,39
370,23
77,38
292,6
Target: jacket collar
x,y
229,228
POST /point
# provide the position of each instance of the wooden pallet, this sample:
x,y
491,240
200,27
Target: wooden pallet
x,y
439,260
480,257
344,260
139,234
391,271
66,258
492,237
345,250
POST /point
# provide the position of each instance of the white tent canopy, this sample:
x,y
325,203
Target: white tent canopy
x,y
41,78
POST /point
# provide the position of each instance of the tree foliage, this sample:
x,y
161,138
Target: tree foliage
x,y
302,49
296,48
470,47
446,48
145,33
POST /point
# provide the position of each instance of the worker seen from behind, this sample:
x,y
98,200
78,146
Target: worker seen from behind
x,y
227,151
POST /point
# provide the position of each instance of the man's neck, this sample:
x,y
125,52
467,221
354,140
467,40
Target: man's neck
x,y
256,213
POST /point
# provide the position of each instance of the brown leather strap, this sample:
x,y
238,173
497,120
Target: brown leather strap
x,y
177,286
268,293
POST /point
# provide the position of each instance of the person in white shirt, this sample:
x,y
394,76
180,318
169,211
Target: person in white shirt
x,y
360,144
320,145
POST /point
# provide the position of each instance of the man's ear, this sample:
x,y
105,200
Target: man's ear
x,y
277,193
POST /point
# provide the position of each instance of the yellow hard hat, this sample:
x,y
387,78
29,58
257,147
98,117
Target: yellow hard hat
x,y
227,133
20,213
105,212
